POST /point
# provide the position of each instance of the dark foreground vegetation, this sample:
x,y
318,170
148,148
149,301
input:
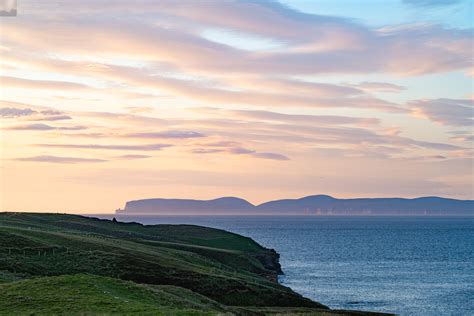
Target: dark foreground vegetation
x,y
69,264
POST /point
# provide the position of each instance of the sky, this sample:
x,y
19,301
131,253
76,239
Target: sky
x,y
102,102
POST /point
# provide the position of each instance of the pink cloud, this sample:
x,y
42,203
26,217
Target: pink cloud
x,y
445,111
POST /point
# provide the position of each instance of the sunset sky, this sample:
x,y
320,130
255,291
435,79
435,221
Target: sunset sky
x,y
108,101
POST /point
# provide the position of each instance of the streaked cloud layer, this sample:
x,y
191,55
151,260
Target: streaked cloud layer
x,y
261,99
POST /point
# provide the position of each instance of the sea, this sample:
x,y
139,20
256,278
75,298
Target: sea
x,y
402,265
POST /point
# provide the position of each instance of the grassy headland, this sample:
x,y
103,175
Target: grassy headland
x,y
70,264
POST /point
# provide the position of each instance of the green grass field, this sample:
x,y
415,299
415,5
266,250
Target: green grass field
x,y
90,294
69,264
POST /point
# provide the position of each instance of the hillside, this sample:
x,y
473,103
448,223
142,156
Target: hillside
x,y
57,263
310,205
91,294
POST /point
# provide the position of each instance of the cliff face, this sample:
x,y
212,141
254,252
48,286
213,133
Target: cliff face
x,y
270,259
310,205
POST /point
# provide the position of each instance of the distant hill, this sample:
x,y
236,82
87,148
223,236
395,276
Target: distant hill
x,y
310,205
172,206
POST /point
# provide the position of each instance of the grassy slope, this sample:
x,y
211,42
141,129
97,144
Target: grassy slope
x,y
187,256
88,294
224,267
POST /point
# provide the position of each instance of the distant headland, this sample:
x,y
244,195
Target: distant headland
x,y
323,205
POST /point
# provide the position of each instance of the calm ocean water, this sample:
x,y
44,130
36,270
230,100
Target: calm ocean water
x,y
409,266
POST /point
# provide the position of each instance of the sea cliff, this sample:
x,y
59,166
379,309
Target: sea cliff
x,y
171,269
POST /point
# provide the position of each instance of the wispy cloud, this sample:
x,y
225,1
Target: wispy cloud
x,y
207,151
379,87
14,112
291,118
33,115
240,151
279,93
166,135
315,44
62,160
132,157
45,127
272,156
52,118
462,136
445,111
147,147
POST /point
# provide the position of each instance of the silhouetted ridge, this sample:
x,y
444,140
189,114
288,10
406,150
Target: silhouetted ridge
x,y
186,206
309,205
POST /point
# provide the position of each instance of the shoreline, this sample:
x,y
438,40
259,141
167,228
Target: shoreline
x,y
236,280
